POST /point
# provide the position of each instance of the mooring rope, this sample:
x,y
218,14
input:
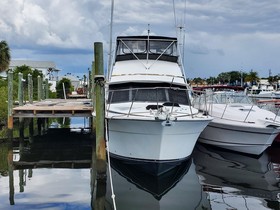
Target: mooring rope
x,y
113,196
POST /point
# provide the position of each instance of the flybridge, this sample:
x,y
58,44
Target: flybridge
x,y
146,47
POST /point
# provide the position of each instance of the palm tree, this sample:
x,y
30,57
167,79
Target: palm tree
x,y
252,77
5,56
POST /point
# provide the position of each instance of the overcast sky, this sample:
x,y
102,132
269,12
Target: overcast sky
x,y
220,35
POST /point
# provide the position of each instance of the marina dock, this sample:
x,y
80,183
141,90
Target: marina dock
x,y
55,108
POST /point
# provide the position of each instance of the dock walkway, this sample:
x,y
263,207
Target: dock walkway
x,y
55,108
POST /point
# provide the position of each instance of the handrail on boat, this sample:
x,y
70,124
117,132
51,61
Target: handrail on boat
x,y
209,98
175,98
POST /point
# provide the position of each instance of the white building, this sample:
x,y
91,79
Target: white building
x,y
48,68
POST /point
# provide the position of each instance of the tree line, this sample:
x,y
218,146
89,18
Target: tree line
x,y
236,78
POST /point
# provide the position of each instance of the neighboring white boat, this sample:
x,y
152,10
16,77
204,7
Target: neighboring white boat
x,y
229,176
238,124
263,92
149,111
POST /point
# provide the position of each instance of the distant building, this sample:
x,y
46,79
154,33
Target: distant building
x,y
48,69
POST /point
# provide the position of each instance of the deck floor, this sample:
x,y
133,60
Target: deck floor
x,y
55,108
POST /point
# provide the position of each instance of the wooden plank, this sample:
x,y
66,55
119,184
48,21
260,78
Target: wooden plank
x,y
55,108
50,115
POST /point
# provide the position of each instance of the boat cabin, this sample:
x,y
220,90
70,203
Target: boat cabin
x,y
146,47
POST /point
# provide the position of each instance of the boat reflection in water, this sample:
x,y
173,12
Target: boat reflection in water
x,y
236,180
178,188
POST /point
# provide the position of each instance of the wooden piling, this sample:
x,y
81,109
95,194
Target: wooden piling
x,y
101,164
10,104
30,89
39,88
20,89
89,93
43,91
47,88
20,103
93,127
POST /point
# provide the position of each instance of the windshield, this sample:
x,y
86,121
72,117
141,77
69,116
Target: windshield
x,y
142,46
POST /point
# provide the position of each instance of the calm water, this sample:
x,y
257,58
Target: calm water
x,y
54,172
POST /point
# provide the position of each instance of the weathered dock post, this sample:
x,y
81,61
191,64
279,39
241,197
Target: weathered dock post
x,y
39,88
20,103
47,88
20,89
101,164
43,91
92,94
10,105
30,99
10,137
30,88
89,93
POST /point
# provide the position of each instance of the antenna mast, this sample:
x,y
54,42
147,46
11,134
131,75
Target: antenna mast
x,y
148,44
110,46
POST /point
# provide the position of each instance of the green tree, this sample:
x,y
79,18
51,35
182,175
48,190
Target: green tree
x,y
224,77
5,56
3,105
252,77
197,81
212,81
59,87
25,70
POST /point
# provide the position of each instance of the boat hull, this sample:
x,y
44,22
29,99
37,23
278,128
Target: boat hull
x,y
241,138
154,140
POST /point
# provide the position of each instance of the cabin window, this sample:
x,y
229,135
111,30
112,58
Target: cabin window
x,y
150,95
163,47
129,46
118,96
157,95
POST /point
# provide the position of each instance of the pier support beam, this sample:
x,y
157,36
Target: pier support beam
x,y
39,88
30,89
93,95
20,103
10,105
101,164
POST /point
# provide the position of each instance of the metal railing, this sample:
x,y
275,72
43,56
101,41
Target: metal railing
x,y
156,97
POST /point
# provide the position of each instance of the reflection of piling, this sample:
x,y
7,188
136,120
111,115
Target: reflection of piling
x,y
11,174
101,164
100,194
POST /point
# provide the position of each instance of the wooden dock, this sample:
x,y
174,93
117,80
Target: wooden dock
x,y
55,108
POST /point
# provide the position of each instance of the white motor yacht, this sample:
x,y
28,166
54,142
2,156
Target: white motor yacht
x,y
149,112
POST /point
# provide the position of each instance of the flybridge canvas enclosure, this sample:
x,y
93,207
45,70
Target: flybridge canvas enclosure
x,y
146,47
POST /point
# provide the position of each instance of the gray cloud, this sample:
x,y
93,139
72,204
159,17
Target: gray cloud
x,y
220,35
